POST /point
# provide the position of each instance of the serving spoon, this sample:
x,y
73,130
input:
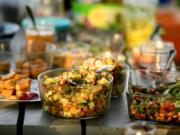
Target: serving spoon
x,y
168,90
73,83
31,16
104,68
172,54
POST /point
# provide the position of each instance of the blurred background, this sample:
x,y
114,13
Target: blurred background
x,y
134,19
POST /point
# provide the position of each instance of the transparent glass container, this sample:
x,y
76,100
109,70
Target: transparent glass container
x,y
87,101
38,59
154,96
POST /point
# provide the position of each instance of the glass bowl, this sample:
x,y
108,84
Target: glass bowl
x,y
65,56
37,59
118,71
154,95
63,95
154,108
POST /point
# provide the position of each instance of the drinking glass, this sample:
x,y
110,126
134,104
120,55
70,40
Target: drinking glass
x,y
36,36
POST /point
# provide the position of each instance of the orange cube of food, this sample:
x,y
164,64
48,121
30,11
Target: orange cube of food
x,y
12,98
7,93
20,76
9,84
19,93
23,84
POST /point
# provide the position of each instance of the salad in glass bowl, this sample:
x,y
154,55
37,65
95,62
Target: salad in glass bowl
x,y
75,93
118,71
154,95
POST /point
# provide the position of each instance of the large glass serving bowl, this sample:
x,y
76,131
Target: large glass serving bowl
x,y
66,98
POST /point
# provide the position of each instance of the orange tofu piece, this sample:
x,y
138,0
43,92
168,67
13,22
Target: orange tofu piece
x,y
7,93
20,76
23,84
9,84
19,92
12,98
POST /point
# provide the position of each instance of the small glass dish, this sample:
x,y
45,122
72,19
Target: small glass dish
x,y
153,95
63,95
65,56
37,59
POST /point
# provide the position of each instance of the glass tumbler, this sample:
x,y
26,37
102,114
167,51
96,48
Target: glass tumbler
x,y
36,36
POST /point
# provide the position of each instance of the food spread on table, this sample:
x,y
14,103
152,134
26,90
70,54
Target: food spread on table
x,y
96,57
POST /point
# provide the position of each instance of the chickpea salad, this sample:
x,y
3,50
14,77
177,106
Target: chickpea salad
x,y
76,93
